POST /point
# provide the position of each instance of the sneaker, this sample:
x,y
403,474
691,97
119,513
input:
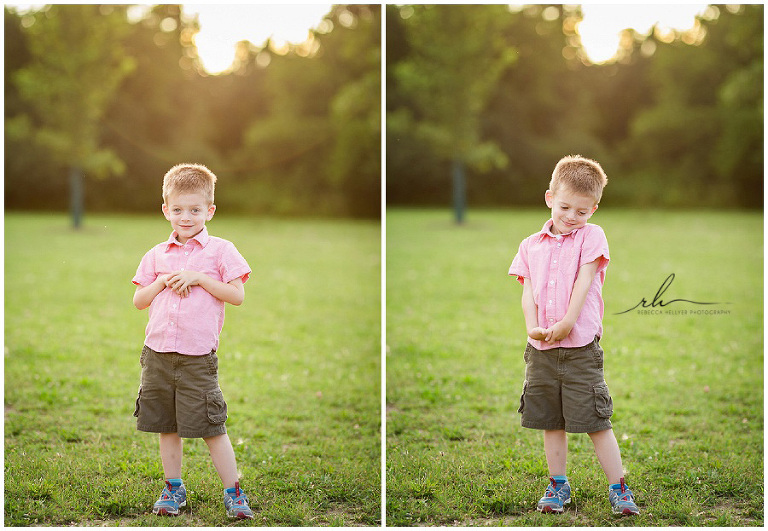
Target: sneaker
x,y
622,500
236,504
555,499
171,500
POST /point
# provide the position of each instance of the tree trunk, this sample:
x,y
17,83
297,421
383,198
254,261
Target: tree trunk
x,y
459,190
76,196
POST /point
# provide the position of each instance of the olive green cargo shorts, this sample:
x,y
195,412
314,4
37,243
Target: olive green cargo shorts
x,y
180,394
564,389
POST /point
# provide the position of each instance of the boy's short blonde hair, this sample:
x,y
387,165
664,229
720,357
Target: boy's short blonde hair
x,y
579,175
189,178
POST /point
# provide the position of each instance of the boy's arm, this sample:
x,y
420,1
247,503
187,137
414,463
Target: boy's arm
x,y
584,279
232,292
144,295
531,312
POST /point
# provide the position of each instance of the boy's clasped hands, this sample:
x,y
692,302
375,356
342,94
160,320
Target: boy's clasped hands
x,y
181,282
557,332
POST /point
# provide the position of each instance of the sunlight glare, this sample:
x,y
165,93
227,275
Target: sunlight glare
x,y
602,25
223,26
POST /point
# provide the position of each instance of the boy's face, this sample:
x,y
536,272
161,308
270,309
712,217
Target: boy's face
x,y
187,213
570,211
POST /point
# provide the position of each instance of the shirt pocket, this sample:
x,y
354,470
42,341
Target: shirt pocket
x,y
205,264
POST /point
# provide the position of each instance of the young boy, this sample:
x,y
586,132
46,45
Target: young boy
x,y
562,270
185,281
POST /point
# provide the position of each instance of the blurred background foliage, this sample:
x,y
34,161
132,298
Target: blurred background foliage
x,y
288,132
675,120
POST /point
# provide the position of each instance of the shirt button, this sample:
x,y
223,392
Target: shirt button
x,y
551,281
174,306
553,261
183,268
550,302
186,253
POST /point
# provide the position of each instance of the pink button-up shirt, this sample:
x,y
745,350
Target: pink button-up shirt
x,y
551,263
189,325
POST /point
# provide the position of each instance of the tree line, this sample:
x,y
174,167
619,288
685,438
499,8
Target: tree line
x,y
94,97
502,93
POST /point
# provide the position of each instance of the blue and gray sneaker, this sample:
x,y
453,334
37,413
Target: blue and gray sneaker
x,y
172,498
622,500
555,497
236,503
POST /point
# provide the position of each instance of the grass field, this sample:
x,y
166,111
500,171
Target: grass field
x,y
687,387
299,367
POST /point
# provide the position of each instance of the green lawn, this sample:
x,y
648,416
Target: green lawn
x,y
299,365
687,387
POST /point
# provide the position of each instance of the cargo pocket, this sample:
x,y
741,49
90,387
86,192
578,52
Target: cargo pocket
x,y
138,404
522,397
216,406
603,401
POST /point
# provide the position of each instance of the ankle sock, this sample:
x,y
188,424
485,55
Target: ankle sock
x,y
233,491
559,480
617,486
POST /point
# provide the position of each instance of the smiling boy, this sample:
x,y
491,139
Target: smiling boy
x,y
185,282
562,269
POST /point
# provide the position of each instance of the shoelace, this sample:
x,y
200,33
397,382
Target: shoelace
x,y
239,498
171,493
551,491
627,494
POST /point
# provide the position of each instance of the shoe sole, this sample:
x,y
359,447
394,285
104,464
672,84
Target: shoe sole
x,y
162,511
241,516
549,509
626,512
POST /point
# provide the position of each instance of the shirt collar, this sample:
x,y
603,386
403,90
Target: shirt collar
x,y
201,237
546,230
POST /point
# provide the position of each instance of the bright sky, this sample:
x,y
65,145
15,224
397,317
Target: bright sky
x,y
222,26
602,24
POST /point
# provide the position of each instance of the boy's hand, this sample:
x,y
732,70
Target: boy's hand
x,y
182,281
538,333
558,332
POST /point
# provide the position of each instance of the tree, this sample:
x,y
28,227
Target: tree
x,y
456,55
701,139
76,64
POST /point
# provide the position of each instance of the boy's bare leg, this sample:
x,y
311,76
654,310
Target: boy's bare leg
x,y
556,449
607,450
171,447
223,457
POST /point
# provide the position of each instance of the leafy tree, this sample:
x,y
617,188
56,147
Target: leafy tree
x,y
318,146
700,141
77,63
456,55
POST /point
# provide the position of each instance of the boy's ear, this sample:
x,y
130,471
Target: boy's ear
x,y
211,211
594,208
549,198
165,212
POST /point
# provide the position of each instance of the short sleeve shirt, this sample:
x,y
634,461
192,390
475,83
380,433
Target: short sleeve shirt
x,y
551,263
189,325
